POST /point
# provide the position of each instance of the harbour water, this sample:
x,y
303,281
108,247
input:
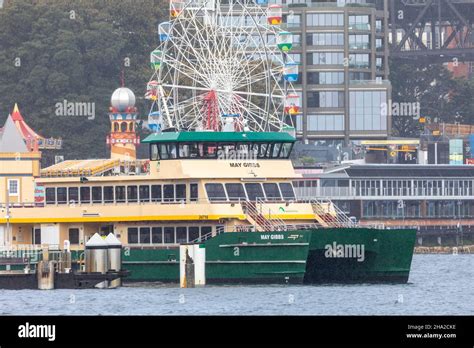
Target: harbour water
x,y
438,285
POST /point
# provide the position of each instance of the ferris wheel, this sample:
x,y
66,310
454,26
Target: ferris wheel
x,y
223,66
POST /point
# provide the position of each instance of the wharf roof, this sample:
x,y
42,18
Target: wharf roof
x,y
167,137
10,138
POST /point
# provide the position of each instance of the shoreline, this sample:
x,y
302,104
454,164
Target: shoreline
x,y
464,249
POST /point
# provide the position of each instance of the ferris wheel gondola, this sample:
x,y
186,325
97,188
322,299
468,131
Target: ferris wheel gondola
x,y
217,68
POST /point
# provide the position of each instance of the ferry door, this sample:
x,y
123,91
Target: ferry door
x,y
2,236
50,234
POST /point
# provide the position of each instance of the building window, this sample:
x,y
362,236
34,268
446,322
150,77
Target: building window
x,y
359,76
359,22
323,99
13,187
325,78
74,235
36,236
293,20
325,19
366,110
359,42
325,39
294,57
325,123
325,58
358,60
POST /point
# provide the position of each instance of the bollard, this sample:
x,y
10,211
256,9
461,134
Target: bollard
x,y
45,274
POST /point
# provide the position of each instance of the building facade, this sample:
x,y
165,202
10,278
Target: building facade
x,y
343,54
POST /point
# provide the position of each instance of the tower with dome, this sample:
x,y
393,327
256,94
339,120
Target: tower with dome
x,y
123,138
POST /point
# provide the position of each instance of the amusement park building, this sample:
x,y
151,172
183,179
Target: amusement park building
x,y
343,52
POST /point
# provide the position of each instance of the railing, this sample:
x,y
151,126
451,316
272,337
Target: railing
x,y
331,214
286,227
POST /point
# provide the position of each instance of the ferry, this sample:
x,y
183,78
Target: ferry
x,y
230,193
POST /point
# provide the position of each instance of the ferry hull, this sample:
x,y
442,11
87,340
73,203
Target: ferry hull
x,y
294,257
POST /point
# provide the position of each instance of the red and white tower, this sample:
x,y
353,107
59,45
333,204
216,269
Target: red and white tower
x,y
123,138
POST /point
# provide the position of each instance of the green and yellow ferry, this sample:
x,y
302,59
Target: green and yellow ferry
x,y
229,192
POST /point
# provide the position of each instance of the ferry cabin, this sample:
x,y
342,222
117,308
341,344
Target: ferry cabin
x,y
194,186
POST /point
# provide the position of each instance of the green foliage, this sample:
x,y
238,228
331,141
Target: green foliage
x,y
75,50
441,97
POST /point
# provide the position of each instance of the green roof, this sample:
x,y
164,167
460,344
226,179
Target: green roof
x,y
168,137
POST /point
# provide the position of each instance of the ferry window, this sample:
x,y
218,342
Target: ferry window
x,y
215,192
193,150
276,150
168,193
205,230
271,191
144,191
120,194
145,235
61,193
208,150
74,235
286,150
263,150
193,233
254,191
235,192
181,192
108,194
184,150
50,195
193,188
154,152
156,193
132,194
181,235
163,151
157,235
85,194
36,235
287,191
73,195
97,194
132,235
172,153
169,235
226,151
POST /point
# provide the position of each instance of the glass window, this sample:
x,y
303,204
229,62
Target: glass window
x,y
254,191
215,192
235,192
145,235
325,58
205,230
181,192
193,232
181,235
325,123
73,195
325,19
132,194
271,191
120,194
74,235
325,39
168,193
169,235
61,193
108,194
286,150
193,194
132,235
156,193
287,190
50,195
359,60
154,156
325,99
97,194
156,235
13,187
85,194
144,191
293,20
